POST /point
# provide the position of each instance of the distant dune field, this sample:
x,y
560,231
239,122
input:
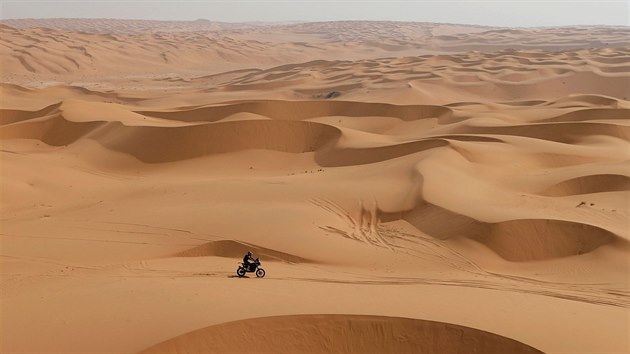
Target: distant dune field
x,y
407,186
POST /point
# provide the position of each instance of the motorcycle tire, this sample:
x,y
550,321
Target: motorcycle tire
x,y
241,272
260,273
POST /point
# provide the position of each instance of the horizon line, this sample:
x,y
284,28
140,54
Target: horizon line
x,y
301,22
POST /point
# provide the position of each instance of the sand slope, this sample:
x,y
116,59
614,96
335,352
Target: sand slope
x,y
484,190
340,334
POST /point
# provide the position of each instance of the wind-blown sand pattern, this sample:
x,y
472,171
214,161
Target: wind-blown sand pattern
x,y
393,177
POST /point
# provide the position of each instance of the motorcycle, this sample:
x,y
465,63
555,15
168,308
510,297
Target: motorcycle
x,y
244,268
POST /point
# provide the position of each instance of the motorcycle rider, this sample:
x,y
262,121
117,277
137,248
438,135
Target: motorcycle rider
x,y
248,260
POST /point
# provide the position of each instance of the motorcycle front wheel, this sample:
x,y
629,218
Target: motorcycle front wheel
x,y
240,272
260,273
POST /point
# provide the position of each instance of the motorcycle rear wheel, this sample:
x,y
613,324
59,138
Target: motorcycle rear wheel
x,y
241,272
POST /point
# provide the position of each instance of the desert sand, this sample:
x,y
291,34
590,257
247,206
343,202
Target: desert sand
x,y
407,187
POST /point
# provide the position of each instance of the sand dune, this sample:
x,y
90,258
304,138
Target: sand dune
x,y
589,184
340,334
82,50
406,185
514,240
234,249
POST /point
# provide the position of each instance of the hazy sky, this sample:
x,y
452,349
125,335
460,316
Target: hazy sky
x,y
489,12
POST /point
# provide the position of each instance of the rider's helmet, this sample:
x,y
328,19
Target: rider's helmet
x,y
249,253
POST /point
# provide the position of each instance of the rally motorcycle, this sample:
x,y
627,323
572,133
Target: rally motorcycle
x,y
245,268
